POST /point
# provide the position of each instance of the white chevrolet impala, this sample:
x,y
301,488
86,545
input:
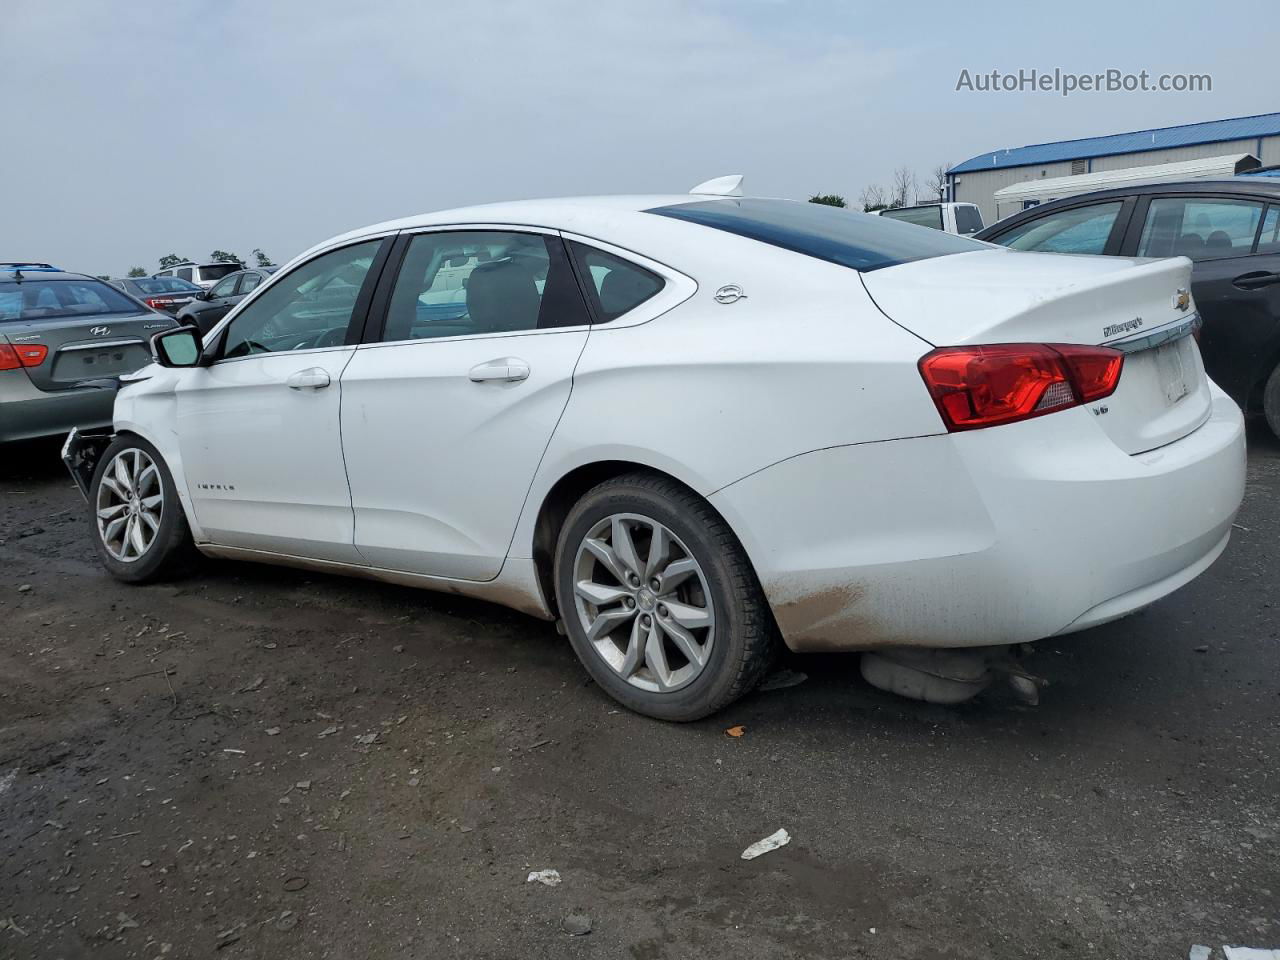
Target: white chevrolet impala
x,y
694,427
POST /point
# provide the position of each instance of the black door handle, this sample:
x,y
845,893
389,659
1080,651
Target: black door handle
x,y
1256,280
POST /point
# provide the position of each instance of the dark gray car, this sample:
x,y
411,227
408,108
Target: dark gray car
x,y
169,294
212,305
59,333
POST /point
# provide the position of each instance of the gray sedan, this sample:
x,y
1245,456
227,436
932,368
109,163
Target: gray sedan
x,y
64,339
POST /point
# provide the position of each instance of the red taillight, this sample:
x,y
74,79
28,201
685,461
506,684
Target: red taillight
x,y
23,355
158,303
1004,382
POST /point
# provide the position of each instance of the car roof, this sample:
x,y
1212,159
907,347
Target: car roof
x,y
8,274
607,216
1260,188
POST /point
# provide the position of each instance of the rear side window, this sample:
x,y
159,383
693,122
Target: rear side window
x,y
1078,230
184,272
614,285
468,283
855,240
1200,228
920,216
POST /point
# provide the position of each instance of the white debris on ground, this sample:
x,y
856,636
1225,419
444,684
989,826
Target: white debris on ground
x,y
548,878
6,781
771,842
1199,952
1250,953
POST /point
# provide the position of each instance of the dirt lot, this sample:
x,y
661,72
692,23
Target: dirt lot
x,y
265,763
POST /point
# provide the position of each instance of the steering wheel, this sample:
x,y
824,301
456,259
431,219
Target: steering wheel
x,y
330,338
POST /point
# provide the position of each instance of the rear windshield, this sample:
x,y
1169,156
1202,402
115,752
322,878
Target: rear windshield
x,y
920,216
41,299
855,240
968,219
216,271
154,285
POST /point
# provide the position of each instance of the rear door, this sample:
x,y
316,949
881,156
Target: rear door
x,y
1096,228
1234,243
447,412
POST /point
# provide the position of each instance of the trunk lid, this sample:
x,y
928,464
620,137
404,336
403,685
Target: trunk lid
x,y
1006,296
86,348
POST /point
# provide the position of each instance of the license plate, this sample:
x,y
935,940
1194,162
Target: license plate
x,y
1174,368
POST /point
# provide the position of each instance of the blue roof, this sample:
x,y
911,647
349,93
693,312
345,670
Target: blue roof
x,y
1160,138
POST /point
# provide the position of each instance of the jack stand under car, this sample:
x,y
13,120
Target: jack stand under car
x,y
949,676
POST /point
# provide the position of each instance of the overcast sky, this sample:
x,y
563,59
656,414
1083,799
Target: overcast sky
x,y
132,130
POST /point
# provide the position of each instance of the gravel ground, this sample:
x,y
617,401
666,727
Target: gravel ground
x,y
266,763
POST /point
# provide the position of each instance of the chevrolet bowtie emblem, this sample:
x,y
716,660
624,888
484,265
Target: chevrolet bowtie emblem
x,y
1182,300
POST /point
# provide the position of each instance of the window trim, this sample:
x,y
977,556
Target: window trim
x,y
587,286
678,287
215,342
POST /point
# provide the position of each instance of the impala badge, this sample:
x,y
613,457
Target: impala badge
x,y
99,331
729,293
1125,327
1182,299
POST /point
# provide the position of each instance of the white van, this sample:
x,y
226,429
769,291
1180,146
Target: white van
x,y
964,219
201,274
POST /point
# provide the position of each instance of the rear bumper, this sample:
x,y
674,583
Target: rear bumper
x,y
988,537
27,412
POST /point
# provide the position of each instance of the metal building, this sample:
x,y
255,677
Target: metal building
x,y
977,180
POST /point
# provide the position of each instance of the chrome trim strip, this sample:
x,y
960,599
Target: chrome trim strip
x,y
102,345
1156,338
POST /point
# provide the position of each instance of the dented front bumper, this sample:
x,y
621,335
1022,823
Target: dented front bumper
x,y
81,452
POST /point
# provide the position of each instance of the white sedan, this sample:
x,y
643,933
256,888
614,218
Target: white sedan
x,y
692,427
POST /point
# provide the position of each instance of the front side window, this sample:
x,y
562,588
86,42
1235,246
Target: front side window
x,y
816,230
39,300
1078,230
469,283
1202,229
614,285
920,216
310,308
225,288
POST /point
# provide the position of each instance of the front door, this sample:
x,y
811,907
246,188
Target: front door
x,y
259,428
446,417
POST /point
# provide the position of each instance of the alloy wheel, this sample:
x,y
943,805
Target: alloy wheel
x,y
129,505
643,602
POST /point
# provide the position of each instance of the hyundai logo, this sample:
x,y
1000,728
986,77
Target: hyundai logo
x,y
99,331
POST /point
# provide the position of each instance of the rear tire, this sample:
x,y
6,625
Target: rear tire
x,y
138,525
1271,401
659,600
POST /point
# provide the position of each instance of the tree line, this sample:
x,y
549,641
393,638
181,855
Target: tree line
x,y
223,256
903,191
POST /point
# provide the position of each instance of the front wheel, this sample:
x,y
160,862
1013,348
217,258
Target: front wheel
x,y
659,600
139,528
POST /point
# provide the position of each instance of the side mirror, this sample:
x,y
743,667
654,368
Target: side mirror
x,y
179,347
204,295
